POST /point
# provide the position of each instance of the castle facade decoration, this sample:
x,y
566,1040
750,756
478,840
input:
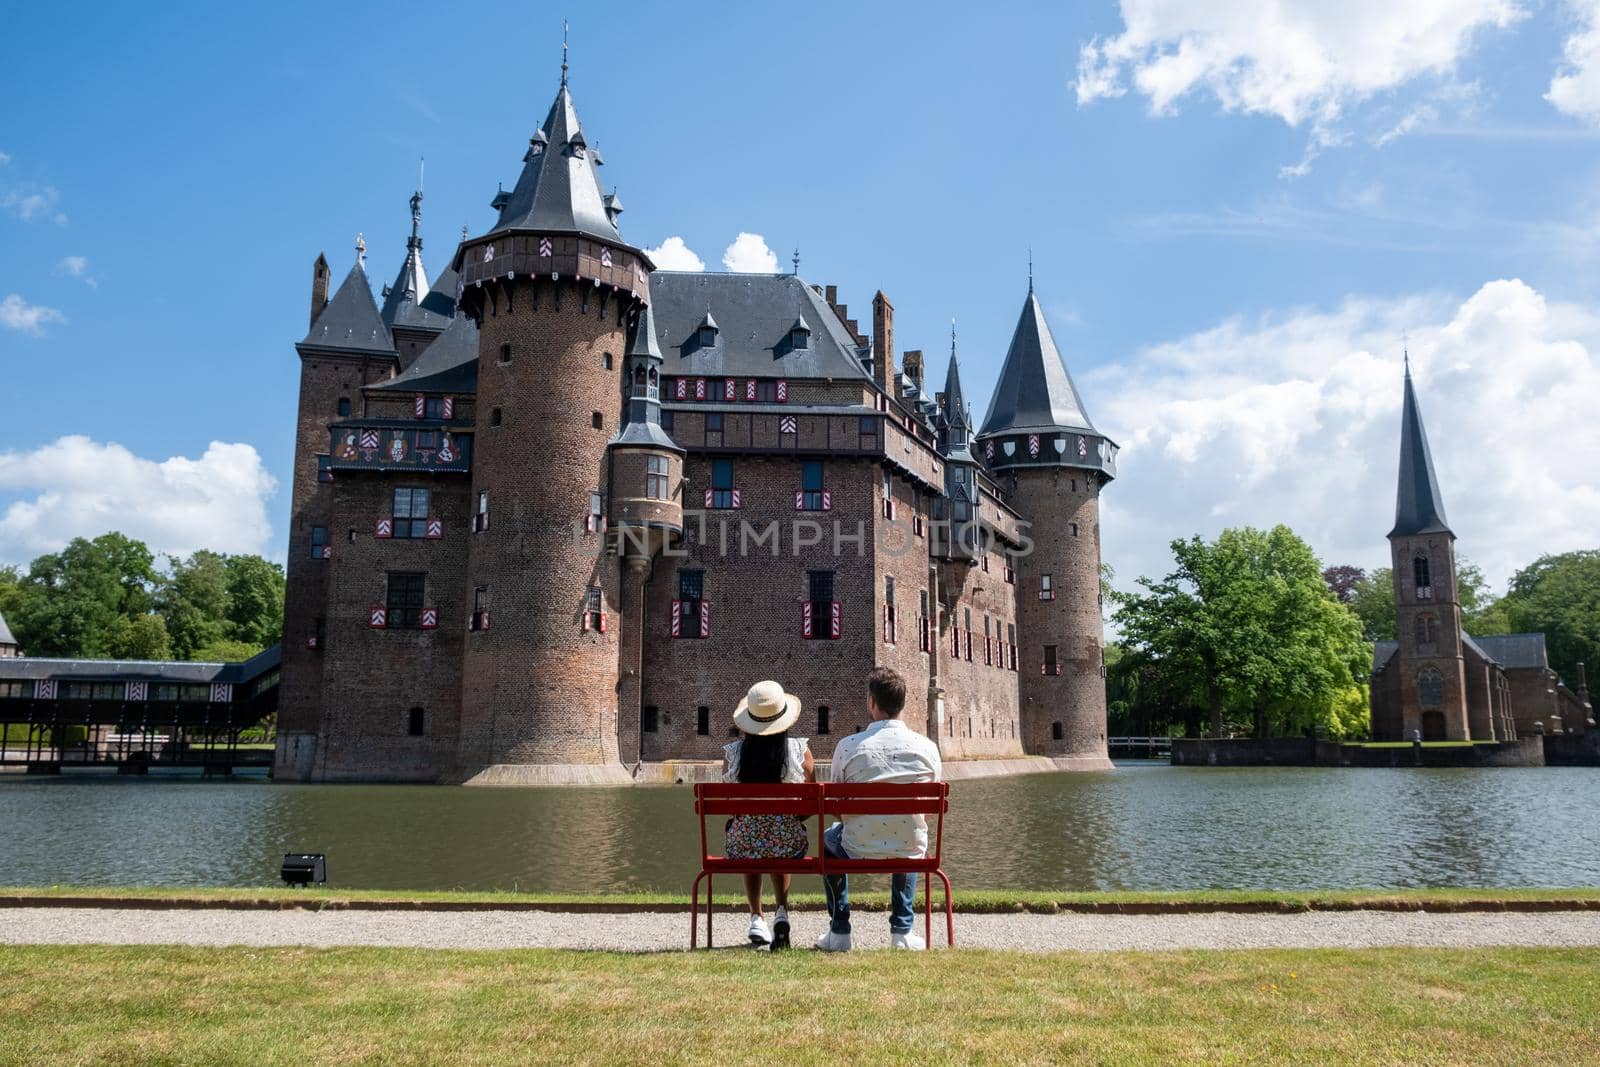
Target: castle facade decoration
x,y
554,512
1436,682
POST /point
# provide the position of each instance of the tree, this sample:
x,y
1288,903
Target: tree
x,y
194,600
71,601
144,637
1559,596
1372,599
255,600
1342,581
1247,628
224,650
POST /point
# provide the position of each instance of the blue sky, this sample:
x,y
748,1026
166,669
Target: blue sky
x,y
1233,214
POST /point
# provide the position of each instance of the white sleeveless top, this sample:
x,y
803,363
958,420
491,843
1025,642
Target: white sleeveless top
x,y
794,764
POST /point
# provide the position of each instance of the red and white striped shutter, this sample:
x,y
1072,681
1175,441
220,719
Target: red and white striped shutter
x,y
799,499
837,625
750,389
677,617
419,405
680,389
737,499
327,551
708,498
1044,668
805,619
588,523
378,617
430,618
827,500
584,618
730,390
955,643
221,692
783,391
385,528
311,641
705,618
449,407
137,690
887,631
699,388
483,623
46,689
602,622
435,529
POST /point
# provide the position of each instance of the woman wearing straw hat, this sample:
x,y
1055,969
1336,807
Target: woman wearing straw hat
x,y
765,753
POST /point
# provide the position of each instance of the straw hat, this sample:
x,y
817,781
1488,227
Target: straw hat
x,y
766,709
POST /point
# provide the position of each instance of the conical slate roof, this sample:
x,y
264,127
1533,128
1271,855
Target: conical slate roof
x,y
559,190
402,300
1419,506
448,365
956,440
5,633
1035,393
351,320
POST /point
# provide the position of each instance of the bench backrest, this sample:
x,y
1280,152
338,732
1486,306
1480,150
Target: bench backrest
x,y
825,798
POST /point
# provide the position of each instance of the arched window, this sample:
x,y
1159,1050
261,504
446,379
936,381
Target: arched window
x,y
639,381
1420,575
1427,630
1430,688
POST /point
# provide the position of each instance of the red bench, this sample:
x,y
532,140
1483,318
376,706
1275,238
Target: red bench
x,y
822,799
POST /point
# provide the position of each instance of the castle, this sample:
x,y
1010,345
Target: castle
x,y
555,512
1437,682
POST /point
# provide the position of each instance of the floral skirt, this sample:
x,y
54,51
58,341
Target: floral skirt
x,y
766,837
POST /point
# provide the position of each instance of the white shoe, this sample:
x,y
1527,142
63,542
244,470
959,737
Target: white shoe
x,y
910,941
759,934
832,942
780,930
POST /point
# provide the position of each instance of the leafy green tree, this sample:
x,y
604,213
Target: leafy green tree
x,y
255,600
1372,599
1247,628
144,637
71,601
194,600
1559,596
224,650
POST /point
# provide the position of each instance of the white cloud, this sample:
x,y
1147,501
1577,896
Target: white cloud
x,y
33,202
4,159
78,267
1575,89
17,314
1295,418
76,487
1303,61
749,254
673,254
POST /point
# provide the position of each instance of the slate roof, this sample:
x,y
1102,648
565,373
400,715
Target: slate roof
x,y
448,365
1382,653
1515,650
1419,506
559,189
957,439
5,633
142,670
754,314
441,299
1035,392
351,320
401,300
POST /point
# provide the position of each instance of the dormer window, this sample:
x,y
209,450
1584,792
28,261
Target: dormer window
x,y
536,144
577,145
706,332
799,336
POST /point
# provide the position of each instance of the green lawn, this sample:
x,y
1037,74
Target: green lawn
x,y
970,901
296,1006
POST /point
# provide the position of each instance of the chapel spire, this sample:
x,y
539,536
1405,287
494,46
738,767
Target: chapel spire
x,y
400,300
1419,505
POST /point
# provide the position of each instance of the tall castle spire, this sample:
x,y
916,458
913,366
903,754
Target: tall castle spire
x,y
1419,506
411,284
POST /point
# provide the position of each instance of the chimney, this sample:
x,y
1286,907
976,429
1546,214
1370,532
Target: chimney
x,y
913,365
319,286
831,294
883,341
1583,685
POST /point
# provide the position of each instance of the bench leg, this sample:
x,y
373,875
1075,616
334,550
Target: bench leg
x,y
927,909
694,913
711,906
949,912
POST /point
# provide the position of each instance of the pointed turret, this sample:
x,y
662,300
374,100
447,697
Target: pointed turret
x,y
955,419
351,320
402,301
1036,416
8,643
559,189
642,417
1419,506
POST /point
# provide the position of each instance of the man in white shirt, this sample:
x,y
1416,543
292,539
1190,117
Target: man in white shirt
x,y
886,751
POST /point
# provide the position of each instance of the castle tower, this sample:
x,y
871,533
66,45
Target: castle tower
x,y
554,290
1053,462
959,540
1433,691
414,314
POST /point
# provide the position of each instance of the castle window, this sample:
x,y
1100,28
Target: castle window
x,y
480,518
505,353
702,721
1051,664
1427,632
924,622
722,483
597,420
1421,577
869,433
714,422
988,653
641,383
1430,688
1056,733
15,690
319,542
822,719
410,512
968,612
414,722
607,361
433,408
594,617
595,519
707,337
494,416
817,616
403,600
649,719
1047,588
888,495
691,603
1011,641
344,405
1073,527
891,623
666,421
655,478
480,609
767,392
811,496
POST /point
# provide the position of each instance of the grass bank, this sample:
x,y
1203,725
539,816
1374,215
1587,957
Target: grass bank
x,y
968,901
342,1006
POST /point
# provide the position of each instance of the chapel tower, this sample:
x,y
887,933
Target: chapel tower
x,y
1039,442
1427,607
554,290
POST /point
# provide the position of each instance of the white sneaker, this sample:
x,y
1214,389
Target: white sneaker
x,y
780,930
910,941
832,942
759,934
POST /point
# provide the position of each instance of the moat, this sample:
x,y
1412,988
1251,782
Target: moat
x,y
1145,827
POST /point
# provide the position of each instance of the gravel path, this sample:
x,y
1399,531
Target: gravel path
x,y
652,932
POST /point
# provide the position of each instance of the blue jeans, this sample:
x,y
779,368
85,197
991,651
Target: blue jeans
x,y
902,894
